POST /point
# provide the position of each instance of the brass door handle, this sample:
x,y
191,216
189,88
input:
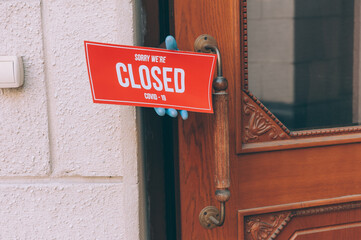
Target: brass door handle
x,y
210,217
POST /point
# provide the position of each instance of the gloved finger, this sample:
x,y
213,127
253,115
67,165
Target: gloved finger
x,y
171,43
171,112
160,111
184,114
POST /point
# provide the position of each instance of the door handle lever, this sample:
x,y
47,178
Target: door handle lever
x,y
210,217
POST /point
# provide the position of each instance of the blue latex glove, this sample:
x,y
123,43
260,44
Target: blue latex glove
x,y
171,44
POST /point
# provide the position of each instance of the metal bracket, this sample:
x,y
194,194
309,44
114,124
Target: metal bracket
x,y
209,217
202,43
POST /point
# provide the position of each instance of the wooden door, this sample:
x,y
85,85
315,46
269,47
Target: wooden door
x,y
300,184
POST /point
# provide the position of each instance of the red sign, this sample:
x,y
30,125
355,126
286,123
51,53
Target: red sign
x,y
150,77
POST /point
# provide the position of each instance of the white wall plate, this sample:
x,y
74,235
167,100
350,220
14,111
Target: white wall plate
x,y
11,72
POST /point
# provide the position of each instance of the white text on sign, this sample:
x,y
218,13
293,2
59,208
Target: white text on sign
x,y
153,96
156,77
146,58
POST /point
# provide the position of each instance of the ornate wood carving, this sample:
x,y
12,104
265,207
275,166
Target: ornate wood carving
x,y
262,227
259,123
325,132
281,227
269,226
245,43
326,209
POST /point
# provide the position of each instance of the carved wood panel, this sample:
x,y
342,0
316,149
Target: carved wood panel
x,y
266,226
305,223
259,123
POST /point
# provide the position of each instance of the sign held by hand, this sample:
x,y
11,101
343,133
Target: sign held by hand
x,y
150,77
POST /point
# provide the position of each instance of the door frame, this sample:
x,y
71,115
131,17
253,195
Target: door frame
x,y
160,139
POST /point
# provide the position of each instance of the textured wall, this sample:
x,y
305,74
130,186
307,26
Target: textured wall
x,y
68,167
23,112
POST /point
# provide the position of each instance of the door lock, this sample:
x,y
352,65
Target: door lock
x,y
210,217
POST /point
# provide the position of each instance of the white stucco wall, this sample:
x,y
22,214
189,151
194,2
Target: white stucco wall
x,y
68,167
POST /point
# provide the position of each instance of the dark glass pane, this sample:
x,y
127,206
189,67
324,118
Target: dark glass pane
x,y
301,61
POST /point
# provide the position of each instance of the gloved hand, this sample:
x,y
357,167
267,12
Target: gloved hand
x,y
171,44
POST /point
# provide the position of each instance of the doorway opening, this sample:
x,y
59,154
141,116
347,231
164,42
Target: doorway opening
x,y
160,138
